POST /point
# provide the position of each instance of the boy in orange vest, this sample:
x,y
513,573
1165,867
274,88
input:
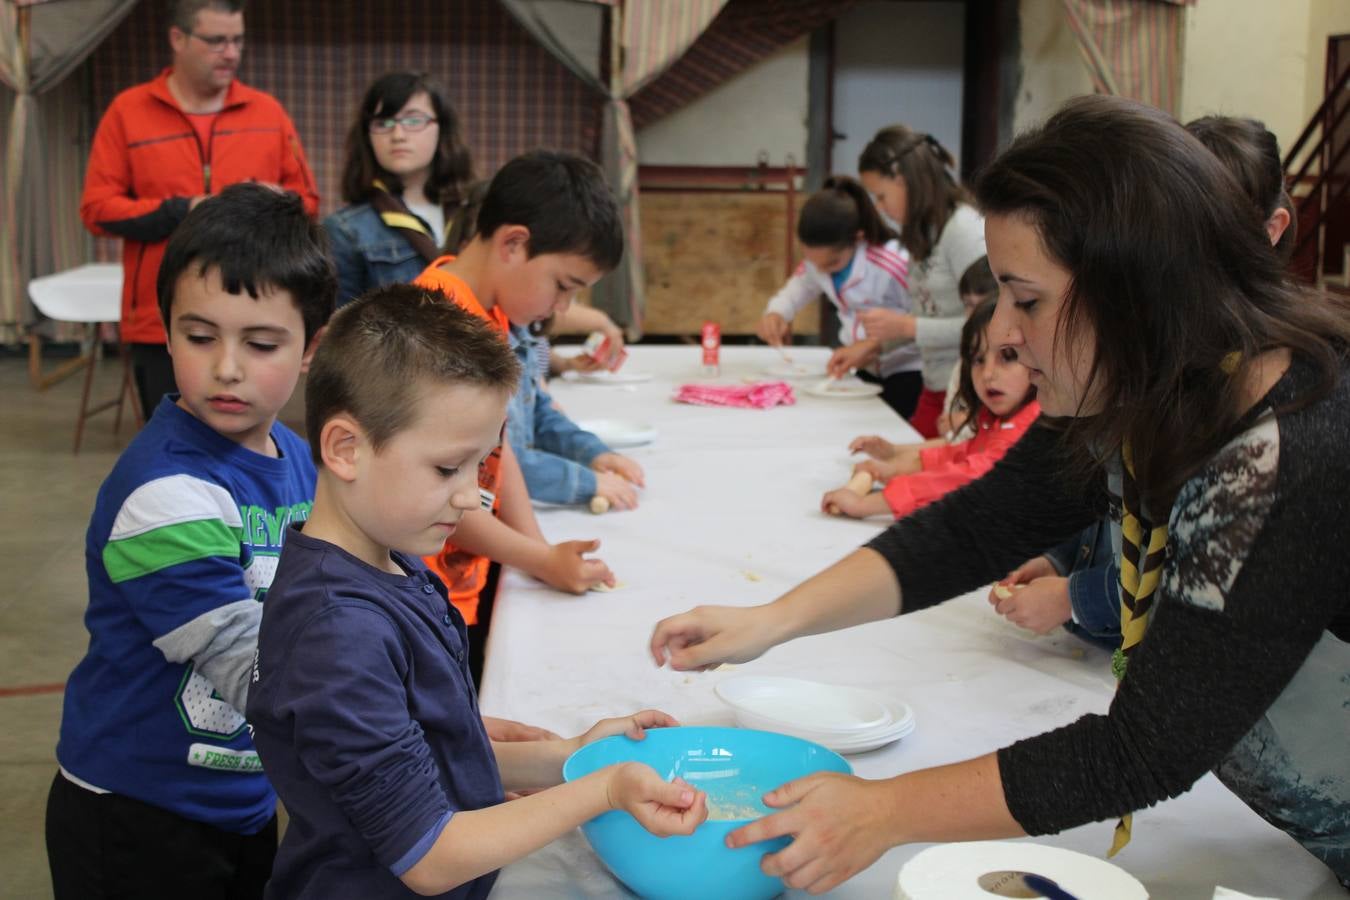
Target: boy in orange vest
x,y
548,228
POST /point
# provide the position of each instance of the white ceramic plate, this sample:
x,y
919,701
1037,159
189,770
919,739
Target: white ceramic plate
x,y
620,433
869,739
808,705
844,389
620,377
783,369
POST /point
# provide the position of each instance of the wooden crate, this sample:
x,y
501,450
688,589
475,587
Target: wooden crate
x,y
715,255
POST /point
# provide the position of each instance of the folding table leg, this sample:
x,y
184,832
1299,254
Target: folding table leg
x,y
92,362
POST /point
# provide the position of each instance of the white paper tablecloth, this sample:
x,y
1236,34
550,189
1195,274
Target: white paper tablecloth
x,y
730,516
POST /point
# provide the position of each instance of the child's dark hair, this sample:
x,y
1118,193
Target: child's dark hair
x,y
972,340
834,215
257,238
564,202
978,280
932,191
381,351
1251,154
451,166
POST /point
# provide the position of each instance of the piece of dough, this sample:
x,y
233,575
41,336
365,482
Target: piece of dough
x,y
599,505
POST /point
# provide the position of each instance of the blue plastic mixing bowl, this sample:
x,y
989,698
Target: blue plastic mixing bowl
x,y
735,767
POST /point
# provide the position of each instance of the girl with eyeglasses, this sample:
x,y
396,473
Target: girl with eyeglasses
x,y
909,175
407,182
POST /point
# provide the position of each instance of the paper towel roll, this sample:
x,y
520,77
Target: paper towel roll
x,y
952,872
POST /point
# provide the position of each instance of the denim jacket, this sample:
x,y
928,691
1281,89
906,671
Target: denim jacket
x,y
1089,561
367,252
554,454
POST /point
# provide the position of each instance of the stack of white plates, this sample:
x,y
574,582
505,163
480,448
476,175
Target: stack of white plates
x,y
844,719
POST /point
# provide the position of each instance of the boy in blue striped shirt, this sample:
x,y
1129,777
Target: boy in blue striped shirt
x,y
160,792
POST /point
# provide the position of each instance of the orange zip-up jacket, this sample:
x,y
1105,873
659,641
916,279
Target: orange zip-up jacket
x,y
148,163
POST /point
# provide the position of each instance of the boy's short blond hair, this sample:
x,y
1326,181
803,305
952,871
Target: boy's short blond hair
x,y
381,352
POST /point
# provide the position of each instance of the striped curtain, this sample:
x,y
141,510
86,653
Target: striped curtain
x,y
645,38
745,32
40,44
1132,48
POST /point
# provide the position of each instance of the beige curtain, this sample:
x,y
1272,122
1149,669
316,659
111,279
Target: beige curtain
x,y
645,38
1132,48
40,44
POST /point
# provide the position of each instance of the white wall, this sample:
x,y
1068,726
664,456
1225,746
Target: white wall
x,y
1248,58
1325,18
897,62
762,109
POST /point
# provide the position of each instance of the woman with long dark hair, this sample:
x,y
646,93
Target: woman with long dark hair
x,y
1205,400
407,182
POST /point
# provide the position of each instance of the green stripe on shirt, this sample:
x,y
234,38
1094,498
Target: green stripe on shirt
x,y
160,548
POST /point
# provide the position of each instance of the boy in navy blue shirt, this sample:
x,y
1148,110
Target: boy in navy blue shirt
x,y
362,705
160,792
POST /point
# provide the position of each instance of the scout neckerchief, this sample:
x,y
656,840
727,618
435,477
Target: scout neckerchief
x,y
1143,546
394,214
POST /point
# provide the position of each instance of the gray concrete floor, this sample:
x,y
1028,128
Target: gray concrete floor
x,y
46,494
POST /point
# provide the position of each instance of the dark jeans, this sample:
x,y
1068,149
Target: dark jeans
x,y
900,391
108,847
152,369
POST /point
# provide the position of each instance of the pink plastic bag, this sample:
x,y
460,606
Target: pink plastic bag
x,y
760,395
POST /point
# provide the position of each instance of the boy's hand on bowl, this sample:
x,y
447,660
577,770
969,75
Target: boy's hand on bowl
x,y
634,726
840,825
568,569
662,807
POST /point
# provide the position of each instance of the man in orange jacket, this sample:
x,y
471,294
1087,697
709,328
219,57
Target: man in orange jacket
x,y
164,146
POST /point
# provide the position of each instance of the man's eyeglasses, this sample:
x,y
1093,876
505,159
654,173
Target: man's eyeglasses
x,y
413,123
217,43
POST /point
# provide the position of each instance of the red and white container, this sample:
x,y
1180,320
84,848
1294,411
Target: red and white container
x,y
712,347
597,347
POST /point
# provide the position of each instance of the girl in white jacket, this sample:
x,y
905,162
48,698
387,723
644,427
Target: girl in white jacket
x,y
858,263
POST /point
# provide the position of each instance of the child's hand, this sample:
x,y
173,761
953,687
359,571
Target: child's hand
x,y
508,730
617,491
887,324
615,346
1036,567
843,502
620,465
905,461
568,569
773,329
880,471
854,356
582,362
663,808
634,726
874,445
1041,605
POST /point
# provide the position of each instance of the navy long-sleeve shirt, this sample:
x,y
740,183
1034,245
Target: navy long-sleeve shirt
x,y
365,717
